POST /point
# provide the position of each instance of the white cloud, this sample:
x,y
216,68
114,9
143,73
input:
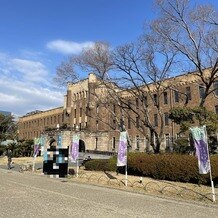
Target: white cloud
x,y
68,47
26,86
30,70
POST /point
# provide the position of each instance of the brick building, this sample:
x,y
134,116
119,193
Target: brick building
x,y
90,110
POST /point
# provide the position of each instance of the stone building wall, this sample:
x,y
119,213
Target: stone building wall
x,y
95,123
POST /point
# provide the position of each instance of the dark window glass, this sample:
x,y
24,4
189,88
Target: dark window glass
x,y
216,109
176,96
215,86
165,98
201,90
80,112
155,120
166,119
188,92
155,99
137,122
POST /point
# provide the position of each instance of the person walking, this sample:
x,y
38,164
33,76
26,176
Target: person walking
x,y
9,155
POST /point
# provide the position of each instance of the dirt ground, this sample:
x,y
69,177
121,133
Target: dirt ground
x,y
151,186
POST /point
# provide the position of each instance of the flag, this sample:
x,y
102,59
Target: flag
x,y
36,147
122,150
42,143
59,142
199,136
75,148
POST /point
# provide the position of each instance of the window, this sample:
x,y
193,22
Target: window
x,y
165,98
145,101
188,92
80,112
114,124
96,143
166,119
80,126
216,109
155,99
167,139
176,96
114,108
215,86
155,120
74,113
137,122
96,124
137,142
201,90
137,103
113,143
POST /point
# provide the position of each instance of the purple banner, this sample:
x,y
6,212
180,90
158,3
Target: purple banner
x,y
122,150
74,148
199,136
36,147
36,150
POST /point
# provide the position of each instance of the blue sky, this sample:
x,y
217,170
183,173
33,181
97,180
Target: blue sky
x,y
36,35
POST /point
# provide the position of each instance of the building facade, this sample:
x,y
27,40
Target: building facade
x,y
90,110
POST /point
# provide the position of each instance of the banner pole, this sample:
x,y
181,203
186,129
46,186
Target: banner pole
x,y
77,168
126,175
211,179
34,160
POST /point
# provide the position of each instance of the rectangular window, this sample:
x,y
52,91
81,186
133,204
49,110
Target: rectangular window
x,y
155,99
166,119
201,90
215,86
137,142
167,138
216,109
114,108
80,112
137,103
165,98
114,124
155,120
145,101
96,124
188,92
137,122
113,143
176,96
74,113
96,143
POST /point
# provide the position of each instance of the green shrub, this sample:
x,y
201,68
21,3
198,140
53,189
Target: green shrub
x,y
101,164
172,167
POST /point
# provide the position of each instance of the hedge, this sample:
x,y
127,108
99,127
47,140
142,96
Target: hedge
x,y
172,167
101,164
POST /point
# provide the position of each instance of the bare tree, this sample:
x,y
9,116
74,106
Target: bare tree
x,y
143,68
193,32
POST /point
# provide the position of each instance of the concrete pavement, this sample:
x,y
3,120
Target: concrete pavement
x,y
30,195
